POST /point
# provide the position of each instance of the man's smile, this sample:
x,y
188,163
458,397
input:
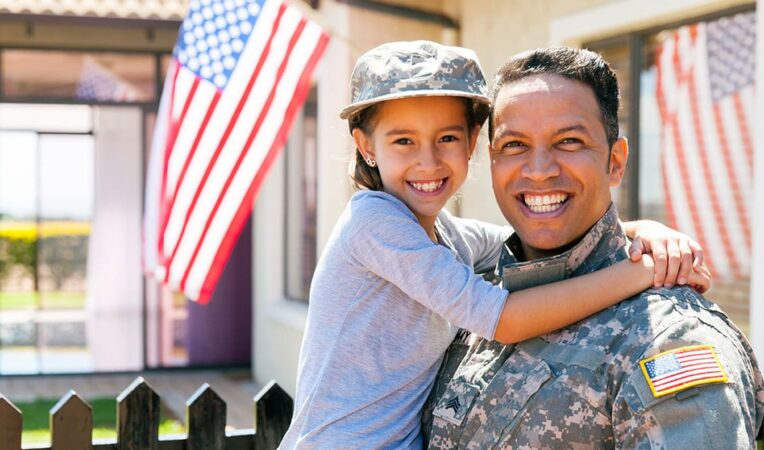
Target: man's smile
x,y
545,203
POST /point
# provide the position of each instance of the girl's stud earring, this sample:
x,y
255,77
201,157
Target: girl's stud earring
x,y
370,162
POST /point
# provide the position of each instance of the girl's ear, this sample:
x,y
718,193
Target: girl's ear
x,y
363,144
474,134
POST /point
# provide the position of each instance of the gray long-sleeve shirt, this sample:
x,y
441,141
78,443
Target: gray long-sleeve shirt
x,y
385,304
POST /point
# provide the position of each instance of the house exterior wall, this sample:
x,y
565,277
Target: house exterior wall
x,y
757,272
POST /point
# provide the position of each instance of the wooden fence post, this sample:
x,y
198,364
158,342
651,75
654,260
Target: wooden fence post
x,y
10,425
71,424
206,416
138,417
273,412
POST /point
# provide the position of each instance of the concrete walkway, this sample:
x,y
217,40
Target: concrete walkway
x,y
235,387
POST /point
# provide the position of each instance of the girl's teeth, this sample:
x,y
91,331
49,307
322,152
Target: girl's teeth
x,y
428,187
544,203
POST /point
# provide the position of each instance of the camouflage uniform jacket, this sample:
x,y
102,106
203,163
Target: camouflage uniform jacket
x,y
583,386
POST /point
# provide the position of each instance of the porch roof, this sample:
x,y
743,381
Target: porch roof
x,y
122,9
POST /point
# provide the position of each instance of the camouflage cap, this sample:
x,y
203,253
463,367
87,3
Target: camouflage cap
x,y
414,69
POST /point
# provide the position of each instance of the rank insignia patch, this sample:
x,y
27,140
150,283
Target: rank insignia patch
x,y
682,368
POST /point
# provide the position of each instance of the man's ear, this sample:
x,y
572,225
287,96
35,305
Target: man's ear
x,y
363,144
619,154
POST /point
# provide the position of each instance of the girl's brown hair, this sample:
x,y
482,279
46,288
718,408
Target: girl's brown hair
x,y
366,177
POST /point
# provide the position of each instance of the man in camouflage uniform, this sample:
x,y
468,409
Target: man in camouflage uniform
x,y
663,369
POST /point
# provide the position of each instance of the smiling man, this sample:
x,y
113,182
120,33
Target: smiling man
x,y
664,369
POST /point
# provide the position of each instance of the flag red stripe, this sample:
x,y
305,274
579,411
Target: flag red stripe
x,y
662,111
745,133
244,211
246,147
740,205
164,208
687,373
226,134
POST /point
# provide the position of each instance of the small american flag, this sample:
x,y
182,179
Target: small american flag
x,y
241,71
100,84
682,368
705,94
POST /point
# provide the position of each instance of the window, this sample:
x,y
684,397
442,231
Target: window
x,y
617,54
78,76
300,201
46,212
690,138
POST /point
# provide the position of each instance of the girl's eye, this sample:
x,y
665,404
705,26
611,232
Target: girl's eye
x,y
403,141
449,138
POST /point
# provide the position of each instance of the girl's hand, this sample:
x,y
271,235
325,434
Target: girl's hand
x,y
699,280
677,256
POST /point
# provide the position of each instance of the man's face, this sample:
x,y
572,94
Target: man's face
x,y
551,166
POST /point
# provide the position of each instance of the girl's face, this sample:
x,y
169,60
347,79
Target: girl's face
x,y
422,146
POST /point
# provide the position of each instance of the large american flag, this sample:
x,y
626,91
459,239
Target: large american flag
x,y
705,95
241,70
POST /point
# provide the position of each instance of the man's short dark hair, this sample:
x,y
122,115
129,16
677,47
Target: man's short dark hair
x,y
580,65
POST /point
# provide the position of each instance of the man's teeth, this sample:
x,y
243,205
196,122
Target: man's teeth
x,y
544,203
430,186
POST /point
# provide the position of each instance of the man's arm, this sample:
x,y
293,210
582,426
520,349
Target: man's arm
x,y
659,405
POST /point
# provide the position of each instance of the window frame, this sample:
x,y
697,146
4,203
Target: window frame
x,y
292,181
155,55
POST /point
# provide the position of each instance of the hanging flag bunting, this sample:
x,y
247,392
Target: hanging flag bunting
x,y
705,95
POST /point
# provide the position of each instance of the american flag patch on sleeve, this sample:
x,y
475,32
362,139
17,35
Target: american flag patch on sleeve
x,y
681,368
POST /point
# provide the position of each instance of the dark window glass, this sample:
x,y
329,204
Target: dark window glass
x,y
618,54
301,169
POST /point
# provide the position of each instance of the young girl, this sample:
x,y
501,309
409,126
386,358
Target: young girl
x,y
397,277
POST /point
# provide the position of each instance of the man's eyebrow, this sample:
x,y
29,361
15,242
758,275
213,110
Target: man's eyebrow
x,y
578,127
504,132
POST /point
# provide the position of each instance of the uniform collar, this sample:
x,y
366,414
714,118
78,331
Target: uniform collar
x,y
603,245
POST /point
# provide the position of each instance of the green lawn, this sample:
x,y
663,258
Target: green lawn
x,y
36,417
48,300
